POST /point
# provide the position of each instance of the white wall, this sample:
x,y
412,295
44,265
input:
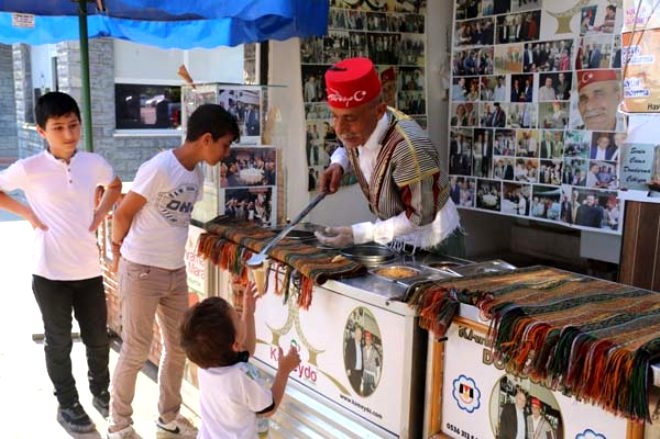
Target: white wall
x,y
438,30
42,71
137,63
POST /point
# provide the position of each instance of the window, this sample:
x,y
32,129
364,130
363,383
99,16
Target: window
x,y
140,106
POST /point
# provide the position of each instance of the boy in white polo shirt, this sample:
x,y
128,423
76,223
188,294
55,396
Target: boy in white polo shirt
x,y
60,185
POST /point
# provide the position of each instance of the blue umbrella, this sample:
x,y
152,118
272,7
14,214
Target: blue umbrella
x,y
182,24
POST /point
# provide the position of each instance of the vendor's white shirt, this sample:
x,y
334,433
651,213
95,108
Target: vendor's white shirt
x,y
230,397
384,231
63,197
158,234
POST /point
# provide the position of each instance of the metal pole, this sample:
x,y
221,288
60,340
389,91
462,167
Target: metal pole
x,y
84,76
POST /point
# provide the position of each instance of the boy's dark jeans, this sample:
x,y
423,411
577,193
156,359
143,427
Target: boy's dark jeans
x,y
57,300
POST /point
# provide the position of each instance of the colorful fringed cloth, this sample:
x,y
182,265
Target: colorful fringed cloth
x,y
589,337
230,244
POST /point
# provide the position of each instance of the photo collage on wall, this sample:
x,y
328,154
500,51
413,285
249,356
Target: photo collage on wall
x,y
389,32
243,184
534,124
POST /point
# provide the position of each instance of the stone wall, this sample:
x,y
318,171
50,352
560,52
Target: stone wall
x,y
8,129
29,142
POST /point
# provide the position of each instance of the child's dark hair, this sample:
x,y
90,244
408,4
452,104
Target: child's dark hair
x,y
54,104
211,118
208,334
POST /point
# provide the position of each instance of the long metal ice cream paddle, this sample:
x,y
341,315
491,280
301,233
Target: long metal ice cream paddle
x,y
258,258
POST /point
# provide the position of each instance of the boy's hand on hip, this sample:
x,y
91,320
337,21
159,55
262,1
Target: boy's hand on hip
x,y
35,222
96,221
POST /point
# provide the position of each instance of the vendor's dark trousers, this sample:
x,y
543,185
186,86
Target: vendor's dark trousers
x,y
57,301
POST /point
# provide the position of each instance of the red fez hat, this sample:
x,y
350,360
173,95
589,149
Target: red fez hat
x,y
586,77
388,75
351,82
536,402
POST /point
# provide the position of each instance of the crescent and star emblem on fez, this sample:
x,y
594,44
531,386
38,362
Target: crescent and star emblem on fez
x,y
587,77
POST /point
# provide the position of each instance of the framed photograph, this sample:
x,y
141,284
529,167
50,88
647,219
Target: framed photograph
x,y
256,205
546,202
577,143
489,194
504,168
526,170
460,151
479,32
461,190
597,209
595,51
314,84
602,175
550,171
515,198
574,172
245,105
527,143
504,142
522,115
321,143
552,144
605,145
249,167
554,115
482,153
508,59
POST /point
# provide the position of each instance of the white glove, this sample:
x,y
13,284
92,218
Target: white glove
x,y
335,236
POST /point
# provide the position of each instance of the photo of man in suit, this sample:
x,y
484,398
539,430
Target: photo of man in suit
x,y
602,148
252,125
353,359
589,213
594,57
499,116
513,419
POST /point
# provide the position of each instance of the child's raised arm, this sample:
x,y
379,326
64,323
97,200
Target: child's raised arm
x,y
249,305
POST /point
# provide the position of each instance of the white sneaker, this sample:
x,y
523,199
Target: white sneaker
x,y
124,433
176,429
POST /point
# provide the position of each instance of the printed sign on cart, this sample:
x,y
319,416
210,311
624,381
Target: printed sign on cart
x,y
197,268
483,401
351,352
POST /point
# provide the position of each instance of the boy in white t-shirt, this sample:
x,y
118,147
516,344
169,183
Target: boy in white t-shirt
x,y
220,343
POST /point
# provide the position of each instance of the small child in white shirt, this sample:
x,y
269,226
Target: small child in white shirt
x,y
232,396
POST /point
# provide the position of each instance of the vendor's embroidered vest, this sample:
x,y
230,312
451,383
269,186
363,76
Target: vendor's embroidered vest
x,y
406,156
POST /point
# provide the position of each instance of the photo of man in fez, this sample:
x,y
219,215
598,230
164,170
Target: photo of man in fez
x,y
363,351
599,94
